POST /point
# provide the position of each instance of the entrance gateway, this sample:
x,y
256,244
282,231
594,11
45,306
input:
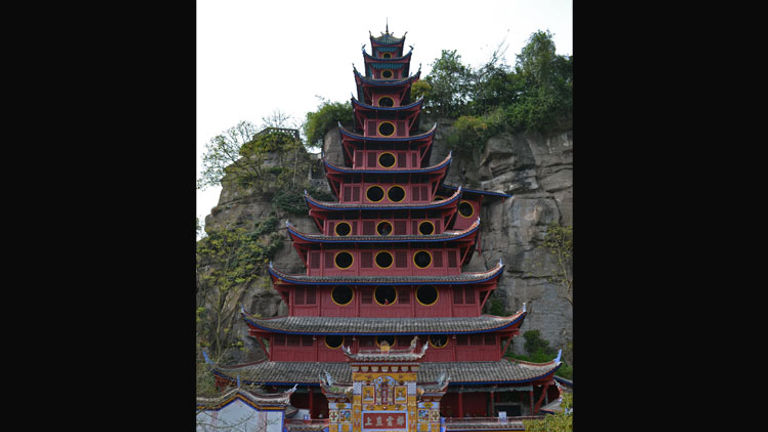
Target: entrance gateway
x,y
384,395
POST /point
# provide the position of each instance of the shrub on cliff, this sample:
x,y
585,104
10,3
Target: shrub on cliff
x,y
328,114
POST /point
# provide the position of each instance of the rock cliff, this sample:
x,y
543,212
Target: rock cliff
x,y
535,169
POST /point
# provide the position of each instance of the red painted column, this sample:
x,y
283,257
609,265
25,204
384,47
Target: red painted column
x,y
461,403
311,405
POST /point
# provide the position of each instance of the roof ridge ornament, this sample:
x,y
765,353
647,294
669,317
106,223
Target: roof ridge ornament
x,y
559,354
523,306
207,359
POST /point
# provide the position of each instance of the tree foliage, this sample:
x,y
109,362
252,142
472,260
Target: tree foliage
x,y
222,151
534,96
449,86
558,422
228,261
327,116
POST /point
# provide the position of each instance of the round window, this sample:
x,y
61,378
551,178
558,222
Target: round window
x,y
465,209
342,295
426,228
387,55
396,193
334,342
387,160
384,228
342,229
343,260
387,74
426,295
375,193
422,259
386,101
438,341
386,128
385,295
383,259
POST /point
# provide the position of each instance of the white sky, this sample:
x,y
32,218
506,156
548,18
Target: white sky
x,y
255,57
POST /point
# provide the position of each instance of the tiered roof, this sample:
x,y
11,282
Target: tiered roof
x,y
461,372
459,279
363,326
392,238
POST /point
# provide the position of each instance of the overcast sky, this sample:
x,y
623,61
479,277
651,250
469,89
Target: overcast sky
x,y
255,57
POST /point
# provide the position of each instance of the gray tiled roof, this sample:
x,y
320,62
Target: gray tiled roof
x,y
462,372
463,278
445,236
377,326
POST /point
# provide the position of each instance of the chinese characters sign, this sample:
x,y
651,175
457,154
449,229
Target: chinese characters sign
x,y
384,421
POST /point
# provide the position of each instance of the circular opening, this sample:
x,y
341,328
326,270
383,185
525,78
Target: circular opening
x,y
438,341
396,193
386,101
375,193
334,342
387,160
386,128
342,295
384,259
342,229
426,228
385,295
384,228
343,260
387,55
422,259
426,295
465,209
390,340
386,73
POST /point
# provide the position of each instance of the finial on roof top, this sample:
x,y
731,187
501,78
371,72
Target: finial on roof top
x,y
387,27
559,353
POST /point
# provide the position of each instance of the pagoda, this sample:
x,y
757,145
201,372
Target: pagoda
x,y
385,271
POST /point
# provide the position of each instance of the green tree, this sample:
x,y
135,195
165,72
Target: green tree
x,y
546,100
325,118
224,151
228,261
558,422
449,86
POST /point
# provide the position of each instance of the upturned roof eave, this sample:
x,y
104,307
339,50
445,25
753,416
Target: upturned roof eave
x,y
357,137
462,279
314,325
410,107
335,206
471,231
442,165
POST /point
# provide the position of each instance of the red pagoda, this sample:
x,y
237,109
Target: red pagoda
x,y
386,266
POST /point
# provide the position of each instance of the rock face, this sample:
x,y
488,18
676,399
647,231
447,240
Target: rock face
x,y
536,169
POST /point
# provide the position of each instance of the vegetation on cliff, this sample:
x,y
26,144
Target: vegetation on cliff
x,y
534,96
